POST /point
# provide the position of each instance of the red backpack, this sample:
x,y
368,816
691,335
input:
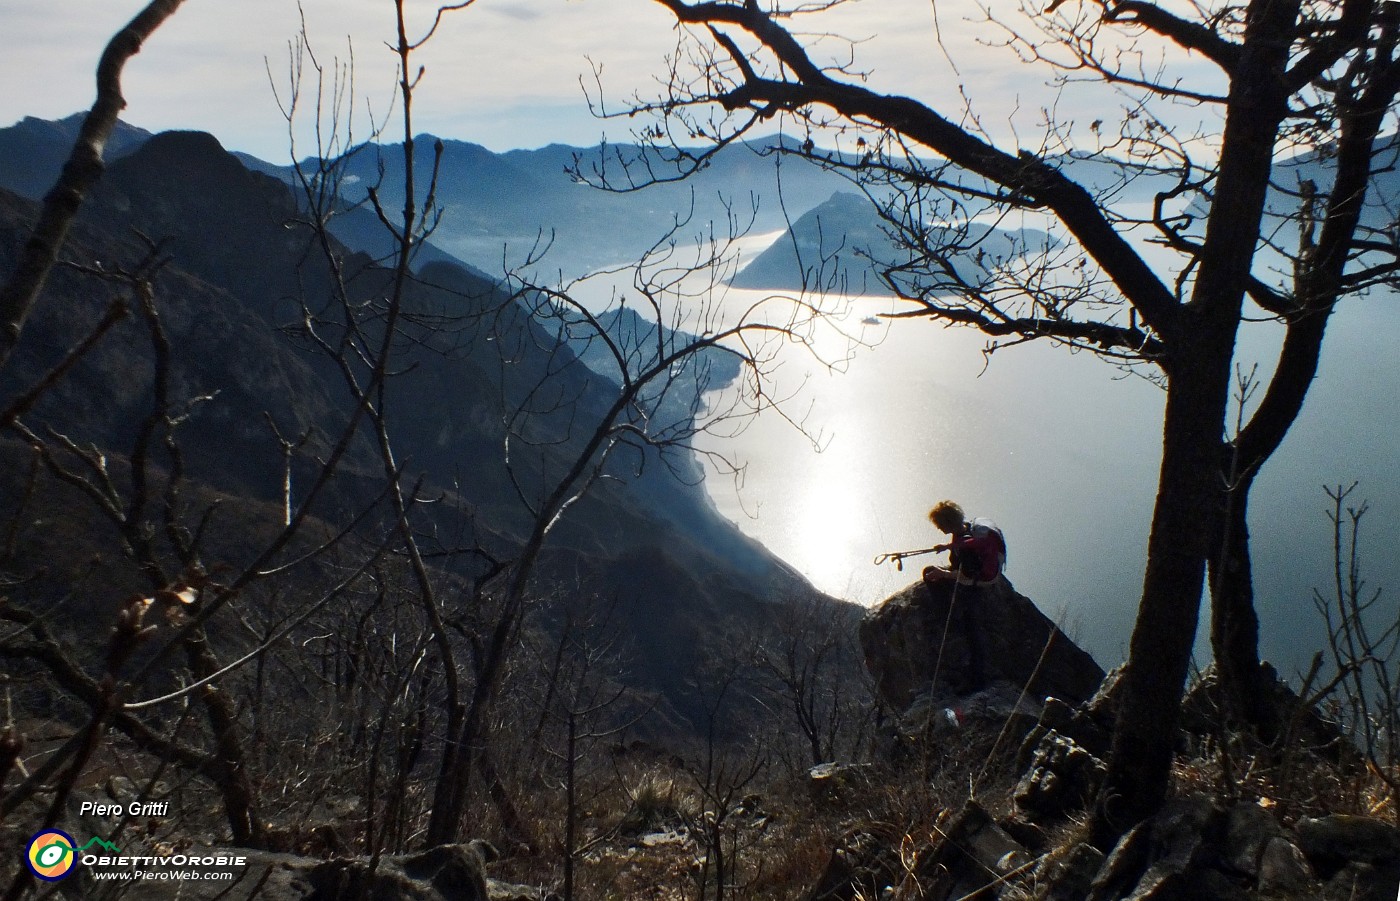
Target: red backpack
x,y
981,553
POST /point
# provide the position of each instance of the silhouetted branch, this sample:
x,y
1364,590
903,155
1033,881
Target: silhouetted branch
x,y
82,170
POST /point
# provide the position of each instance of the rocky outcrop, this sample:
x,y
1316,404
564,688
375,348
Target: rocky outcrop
x,y
1172,857
1194,849
839,783
1336,839
948,641
1062,758
975,852
1279,716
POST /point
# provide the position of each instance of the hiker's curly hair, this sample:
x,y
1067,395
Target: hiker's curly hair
x,y
947,516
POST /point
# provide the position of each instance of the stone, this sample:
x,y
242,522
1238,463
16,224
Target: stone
x,y
1061,758
509,891
1068,877
1000,705
1124,866
1171,857
1249,829
124,790
1182,828
658,839
1362,882
1283,869
1056,714
1059,777
1205,710
998,702
839,783
949,640
1331,841
974,853
447,872
861,866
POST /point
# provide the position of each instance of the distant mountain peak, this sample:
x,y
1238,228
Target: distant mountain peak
x,y
195,159
33,150
182,147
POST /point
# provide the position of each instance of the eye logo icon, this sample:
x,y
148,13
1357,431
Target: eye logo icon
x,y
50,855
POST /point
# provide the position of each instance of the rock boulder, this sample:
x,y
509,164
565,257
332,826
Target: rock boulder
x,y
950,640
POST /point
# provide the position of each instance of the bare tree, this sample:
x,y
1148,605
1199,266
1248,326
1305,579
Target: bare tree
x,y
148,513
576,692
165,539
564,430
1265,209
369,576
815,663
723,774
635,427
1363,645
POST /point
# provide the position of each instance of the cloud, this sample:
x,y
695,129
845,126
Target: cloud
x,y
516,13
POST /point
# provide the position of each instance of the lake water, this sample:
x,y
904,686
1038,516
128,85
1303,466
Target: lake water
x,y
1062,451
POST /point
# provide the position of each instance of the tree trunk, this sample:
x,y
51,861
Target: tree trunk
x,y
234,784
1234,622
570,807
450,786
1160,651
1186,518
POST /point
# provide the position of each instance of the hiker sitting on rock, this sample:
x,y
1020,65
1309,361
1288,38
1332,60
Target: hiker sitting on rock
x,y
976,551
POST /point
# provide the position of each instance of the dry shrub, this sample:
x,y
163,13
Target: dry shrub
x,y
658,800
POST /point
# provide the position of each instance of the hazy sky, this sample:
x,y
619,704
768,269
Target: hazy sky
x,y
504,73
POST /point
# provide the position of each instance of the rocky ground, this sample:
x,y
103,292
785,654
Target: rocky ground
x,y
975,787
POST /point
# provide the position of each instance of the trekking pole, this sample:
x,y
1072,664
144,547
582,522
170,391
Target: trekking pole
x,y
898,556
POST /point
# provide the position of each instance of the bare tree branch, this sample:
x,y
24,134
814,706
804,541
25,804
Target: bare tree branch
x,y
82,170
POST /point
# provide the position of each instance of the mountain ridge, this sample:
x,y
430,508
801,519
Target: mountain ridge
x,y
232,285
